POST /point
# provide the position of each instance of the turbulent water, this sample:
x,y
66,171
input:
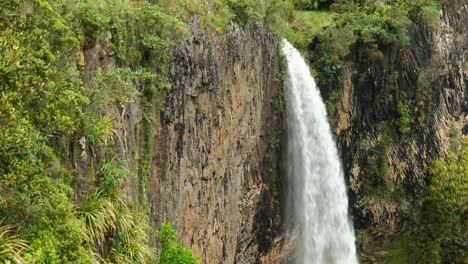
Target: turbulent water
x,y
317,193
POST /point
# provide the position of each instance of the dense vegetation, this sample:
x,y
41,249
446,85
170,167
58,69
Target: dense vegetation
x,y
45,217
368,28
44,105
437,231
441,223
50,211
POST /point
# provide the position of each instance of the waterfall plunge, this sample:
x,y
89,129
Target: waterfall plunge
x,y
317,199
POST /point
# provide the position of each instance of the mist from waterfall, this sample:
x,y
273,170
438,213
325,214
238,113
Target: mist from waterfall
x,y
316,196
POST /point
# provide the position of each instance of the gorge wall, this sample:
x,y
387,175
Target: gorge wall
x,y
206,154
217,149
388,170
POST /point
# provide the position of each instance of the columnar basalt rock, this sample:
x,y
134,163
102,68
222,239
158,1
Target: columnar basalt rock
x,y
431,76
217,148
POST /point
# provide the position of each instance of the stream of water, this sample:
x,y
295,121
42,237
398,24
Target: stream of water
x,y
317,197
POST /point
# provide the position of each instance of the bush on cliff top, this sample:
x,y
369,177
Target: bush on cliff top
x,y
217,14
368,27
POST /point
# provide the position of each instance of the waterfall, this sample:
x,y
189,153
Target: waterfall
x,y
317,199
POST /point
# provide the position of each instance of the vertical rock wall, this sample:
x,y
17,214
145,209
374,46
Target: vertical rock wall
x,y
216,152
430,75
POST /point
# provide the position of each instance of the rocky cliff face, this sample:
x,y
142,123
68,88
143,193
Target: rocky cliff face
x,y
217,149
430,77
207,154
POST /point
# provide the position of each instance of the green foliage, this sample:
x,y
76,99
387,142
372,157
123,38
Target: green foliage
x,y
332,47
29,70
305,25
214,14
141,34
41,97
377,182
283,64
217,14
456,138
43,101
443,229
437,232
111,178
98,131
369,28
331,102
136,27
172,251
118,86
422,12
94,22
99,217
243,10
404,118
279,102
11,247
130,240
309,4
380,24
275,14
57,235
110,221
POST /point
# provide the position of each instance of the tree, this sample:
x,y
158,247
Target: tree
x,y
173,252
441,233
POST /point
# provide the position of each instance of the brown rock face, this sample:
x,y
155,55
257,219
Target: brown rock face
x,y
216,151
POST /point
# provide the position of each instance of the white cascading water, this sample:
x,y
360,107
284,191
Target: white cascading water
x,y
317,195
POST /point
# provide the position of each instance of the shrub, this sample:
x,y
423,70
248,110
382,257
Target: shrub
x,y
422,12
363,26
218,13
130,241
99,217
172,251
120,232
441,221
57,235
309,4
303,26
112,175
11,247
404,119
135,27
377,182
243,10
